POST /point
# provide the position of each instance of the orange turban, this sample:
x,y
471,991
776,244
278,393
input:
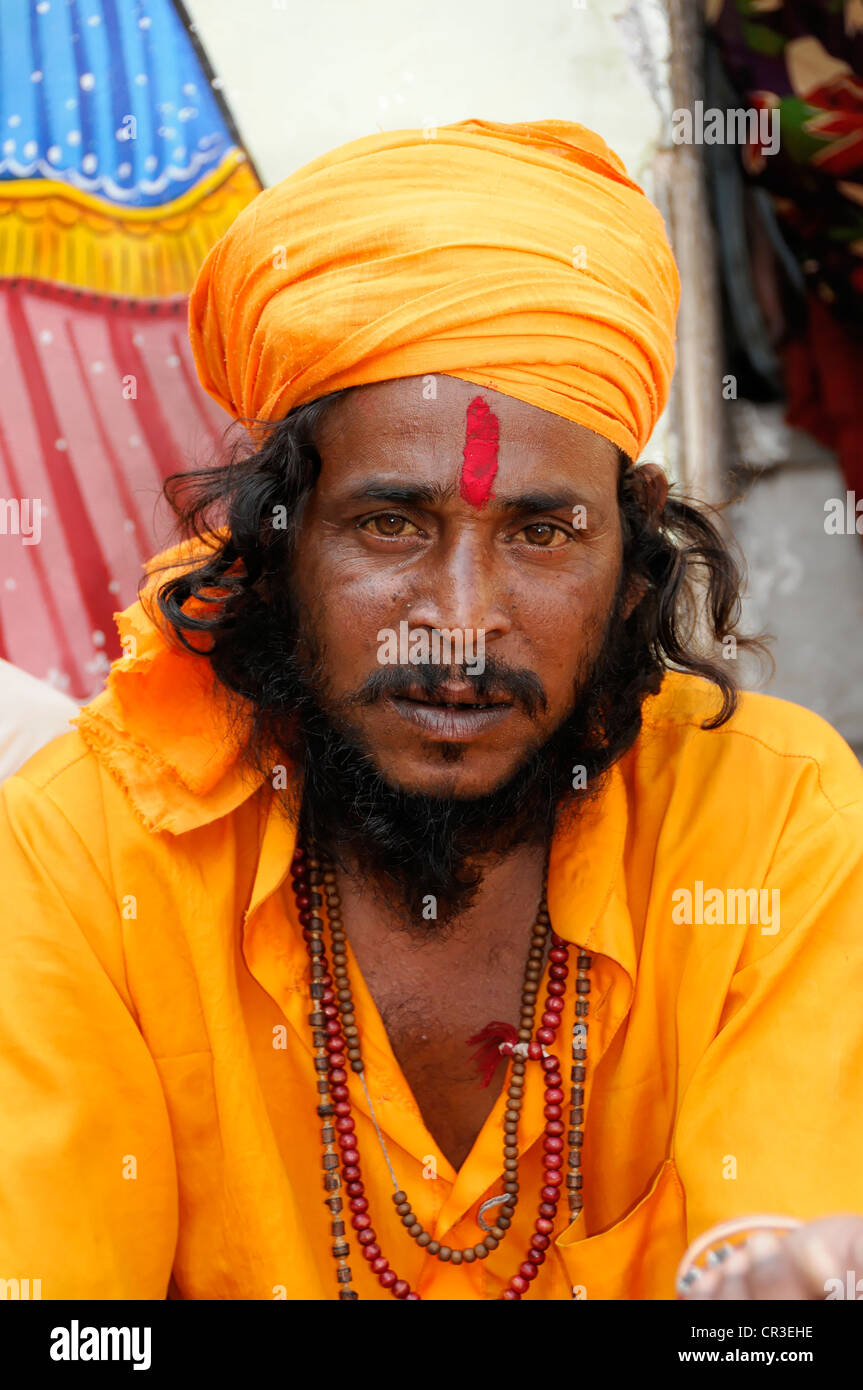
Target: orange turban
x,y
521,258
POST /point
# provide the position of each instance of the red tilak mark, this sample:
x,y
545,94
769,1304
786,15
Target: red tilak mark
x,y
480,453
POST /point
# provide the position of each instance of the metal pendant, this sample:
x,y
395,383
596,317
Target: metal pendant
x,y
492,1202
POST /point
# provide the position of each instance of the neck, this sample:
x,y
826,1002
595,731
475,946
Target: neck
x,y
508,890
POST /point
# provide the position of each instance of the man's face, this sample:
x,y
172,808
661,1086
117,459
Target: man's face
x,y
400,529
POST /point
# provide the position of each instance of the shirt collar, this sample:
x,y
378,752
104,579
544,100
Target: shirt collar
x,y
587,899
162,727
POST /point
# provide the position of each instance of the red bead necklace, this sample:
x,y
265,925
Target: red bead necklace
x,y
336,1043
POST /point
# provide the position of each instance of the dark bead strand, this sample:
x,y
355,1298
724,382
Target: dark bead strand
x,y
322,998
409,1220
343,985
414,1228
545,1222
552,1146
335,1034
576,1094
346,1047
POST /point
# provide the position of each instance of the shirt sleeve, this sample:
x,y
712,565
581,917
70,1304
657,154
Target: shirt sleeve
x,y
772,1119
88,1183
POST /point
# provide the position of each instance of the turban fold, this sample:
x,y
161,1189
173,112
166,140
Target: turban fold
x,y
521,258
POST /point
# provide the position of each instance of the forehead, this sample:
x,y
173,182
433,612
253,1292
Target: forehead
x,y
429,415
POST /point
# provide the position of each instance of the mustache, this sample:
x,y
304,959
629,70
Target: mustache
x,y
518,684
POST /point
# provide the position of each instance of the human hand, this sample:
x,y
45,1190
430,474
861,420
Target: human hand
x,y
813,1261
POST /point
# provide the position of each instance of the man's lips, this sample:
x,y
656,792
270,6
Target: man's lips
x,y
452,714
457,695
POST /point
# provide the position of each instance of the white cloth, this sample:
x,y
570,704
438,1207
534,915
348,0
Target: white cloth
x,y
31,714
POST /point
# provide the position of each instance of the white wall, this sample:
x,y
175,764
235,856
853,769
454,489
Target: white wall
x,y
303,76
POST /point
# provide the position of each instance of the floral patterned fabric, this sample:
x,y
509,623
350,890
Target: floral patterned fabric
x,y
805,58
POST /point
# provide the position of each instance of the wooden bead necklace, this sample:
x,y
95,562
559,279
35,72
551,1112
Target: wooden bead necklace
x,y
335,1038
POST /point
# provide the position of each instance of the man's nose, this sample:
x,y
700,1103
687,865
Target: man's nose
x,y
462,587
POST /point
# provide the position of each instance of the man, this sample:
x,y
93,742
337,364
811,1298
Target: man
x,y
310,872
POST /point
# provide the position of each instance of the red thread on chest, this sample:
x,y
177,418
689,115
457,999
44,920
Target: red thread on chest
x,y
480,453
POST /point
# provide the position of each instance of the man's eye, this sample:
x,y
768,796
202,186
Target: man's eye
x,y
388,524
545,536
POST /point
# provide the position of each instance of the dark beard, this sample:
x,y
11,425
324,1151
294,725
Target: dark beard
x,y
413,846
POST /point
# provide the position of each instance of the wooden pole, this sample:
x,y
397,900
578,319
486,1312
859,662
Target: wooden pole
x,y
697,393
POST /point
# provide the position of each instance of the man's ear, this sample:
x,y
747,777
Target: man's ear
x,y
655,491
652,487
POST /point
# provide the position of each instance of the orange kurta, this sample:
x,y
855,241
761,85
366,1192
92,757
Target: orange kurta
x,y
157,1097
